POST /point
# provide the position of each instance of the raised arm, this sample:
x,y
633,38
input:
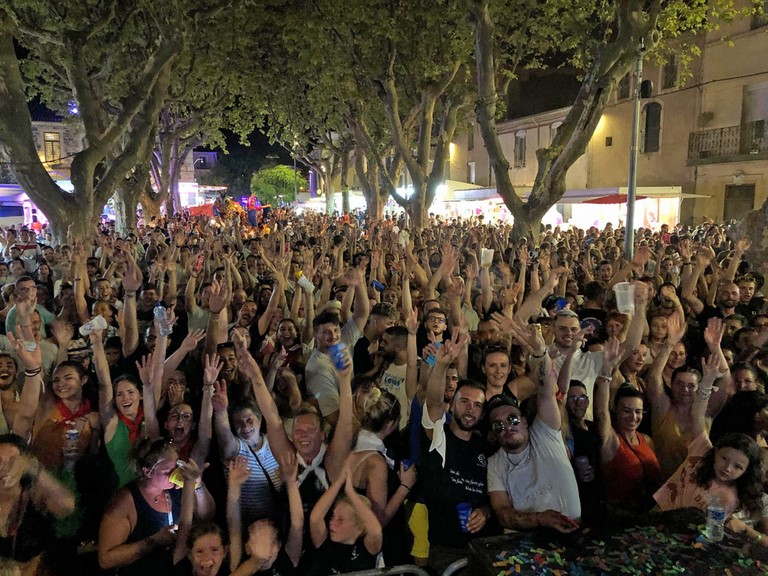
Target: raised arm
x,y
149,384
289,469
711,372
188,345
318,529
107,411
341,444
446,355
530,338
228,445
33,381
713,335
654,382
533,303
638,322
365,516
216,332
238,474
362,305
131,283
278,438
602,391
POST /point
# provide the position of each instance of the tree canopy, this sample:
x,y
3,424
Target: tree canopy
x,y
277,185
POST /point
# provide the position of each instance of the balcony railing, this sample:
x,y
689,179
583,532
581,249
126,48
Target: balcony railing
x,y
729,143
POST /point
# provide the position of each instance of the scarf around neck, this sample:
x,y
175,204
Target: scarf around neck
x,y
134,426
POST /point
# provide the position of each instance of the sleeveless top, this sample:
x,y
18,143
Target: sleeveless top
x,y
49,437
672,443
159,561
632,476
119,450
338,558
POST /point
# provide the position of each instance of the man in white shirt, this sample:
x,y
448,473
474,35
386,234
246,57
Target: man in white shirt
x,y
586,366
530,480
399,348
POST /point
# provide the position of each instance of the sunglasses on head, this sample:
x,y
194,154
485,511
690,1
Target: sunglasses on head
x,y
501,425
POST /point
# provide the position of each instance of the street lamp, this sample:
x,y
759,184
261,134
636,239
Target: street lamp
x,y
629,225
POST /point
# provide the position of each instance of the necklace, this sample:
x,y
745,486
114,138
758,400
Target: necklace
x,y
521,462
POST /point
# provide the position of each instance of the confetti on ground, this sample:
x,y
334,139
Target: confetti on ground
x,y
638,551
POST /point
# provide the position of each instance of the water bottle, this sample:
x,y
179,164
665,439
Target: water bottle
x,y
161,315
71,436
715,520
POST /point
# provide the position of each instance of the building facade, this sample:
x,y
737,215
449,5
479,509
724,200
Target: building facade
x,y
703,132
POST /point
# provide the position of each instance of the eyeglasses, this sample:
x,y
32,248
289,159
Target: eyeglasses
x,y
579,398
184,416
501,425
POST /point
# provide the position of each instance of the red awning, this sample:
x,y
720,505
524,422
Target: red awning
x,y
612,199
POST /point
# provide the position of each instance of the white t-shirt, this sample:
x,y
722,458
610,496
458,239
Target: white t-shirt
x,y
545,481
393,380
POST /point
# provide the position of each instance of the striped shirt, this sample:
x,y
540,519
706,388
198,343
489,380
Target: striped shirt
x,y
258,500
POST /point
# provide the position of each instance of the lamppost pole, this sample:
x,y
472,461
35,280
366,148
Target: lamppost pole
x,y
629,225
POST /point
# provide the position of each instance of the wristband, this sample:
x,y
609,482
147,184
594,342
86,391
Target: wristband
x,y
405,486
539,355
129,293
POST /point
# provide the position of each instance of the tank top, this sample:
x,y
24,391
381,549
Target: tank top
x,y
119,450
159,561
672,443
49,437
632,476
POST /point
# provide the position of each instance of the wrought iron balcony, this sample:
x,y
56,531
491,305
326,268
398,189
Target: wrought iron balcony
x,y
747,141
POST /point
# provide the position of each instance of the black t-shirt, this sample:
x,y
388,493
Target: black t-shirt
x,y
586,444
361,359
184,568
464,478
337,558
281,567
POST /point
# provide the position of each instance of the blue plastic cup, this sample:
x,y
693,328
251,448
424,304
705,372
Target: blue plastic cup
x,y
464,509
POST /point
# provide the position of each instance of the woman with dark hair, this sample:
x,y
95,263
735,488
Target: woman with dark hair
x,y
140,524
122,412
729,472
630,467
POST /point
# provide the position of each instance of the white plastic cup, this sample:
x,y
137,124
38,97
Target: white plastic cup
x,y
486,256
97,323
625,297
306,284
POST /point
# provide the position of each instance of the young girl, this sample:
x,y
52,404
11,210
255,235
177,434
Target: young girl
x,y
352,538
728,471
267,553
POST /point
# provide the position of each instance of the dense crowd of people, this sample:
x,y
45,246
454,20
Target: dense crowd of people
x,y
319,395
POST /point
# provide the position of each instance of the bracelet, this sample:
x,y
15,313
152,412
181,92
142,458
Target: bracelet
x,y
759,536
76,279
129,293
31,373
405,486
539,355
603,377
